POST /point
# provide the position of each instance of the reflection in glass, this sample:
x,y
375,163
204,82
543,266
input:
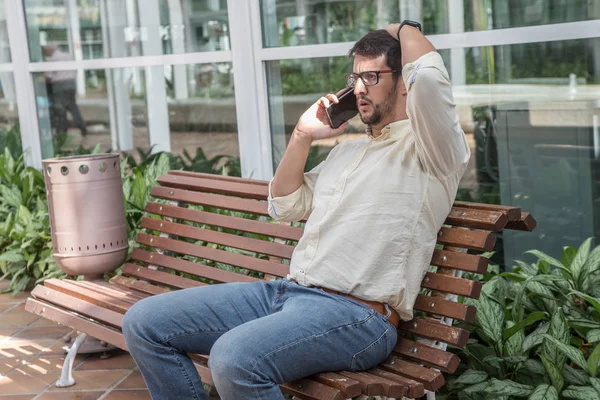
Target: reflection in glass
x,y
300,22
88,29
184,107
4,44
10,135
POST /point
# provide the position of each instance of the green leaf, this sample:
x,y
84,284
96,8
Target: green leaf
x,y
490,318
554,373
531,318
533,366
568,255
507,388
544,392
560,331
581,393
471,377
12,256
595,384
514,343
550,260
574,376
593,360
593,336
10,196
577,266
572,353
536,337
528,269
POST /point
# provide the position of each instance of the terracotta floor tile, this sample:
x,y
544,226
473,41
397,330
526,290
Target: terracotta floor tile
x,y
6,306
43,365
7,332
8,364
128,394
23,348
18,316
17,397
43,332
48,378
9,298
119,359
56,348
93,380
16,383
133,381
70,395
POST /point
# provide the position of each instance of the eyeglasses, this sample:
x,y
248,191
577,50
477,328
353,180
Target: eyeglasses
x,y
369,78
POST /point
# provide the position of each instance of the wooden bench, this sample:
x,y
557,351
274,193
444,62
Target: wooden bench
x,y
189,214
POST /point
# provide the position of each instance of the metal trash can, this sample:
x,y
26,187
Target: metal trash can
x,y
87,213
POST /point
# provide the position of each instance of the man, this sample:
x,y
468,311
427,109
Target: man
x,y
375,207
61,90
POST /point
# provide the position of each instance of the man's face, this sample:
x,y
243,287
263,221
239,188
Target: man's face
x,y
377,102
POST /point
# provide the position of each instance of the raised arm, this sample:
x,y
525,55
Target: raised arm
x,y
440,140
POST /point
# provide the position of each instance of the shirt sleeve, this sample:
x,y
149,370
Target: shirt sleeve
x,y
440,140
296,205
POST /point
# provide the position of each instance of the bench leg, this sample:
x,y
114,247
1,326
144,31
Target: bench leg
x,y
66,376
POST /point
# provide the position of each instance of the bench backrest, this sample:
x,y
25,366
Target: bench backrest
x,y
195,241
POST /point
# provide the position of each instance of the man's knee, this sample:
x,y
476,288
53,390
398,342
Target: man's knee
x,y
137,321
231,358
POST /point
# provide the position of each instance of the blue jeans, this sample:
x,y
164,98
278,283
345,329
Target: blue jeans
x,y
258,335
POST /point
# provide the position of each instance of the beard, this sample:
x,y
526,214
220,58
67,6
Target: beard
x,y
380,110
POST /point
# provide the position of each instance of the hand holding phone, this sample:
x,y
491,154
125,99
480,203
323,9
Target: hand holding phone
x,y
344,110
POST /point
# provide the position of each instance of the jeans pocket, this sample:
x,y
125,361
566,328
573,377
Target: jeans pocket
x,y
375,353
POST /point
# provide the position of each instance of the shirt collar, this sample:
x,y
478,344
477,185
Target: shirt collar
x,y
392,131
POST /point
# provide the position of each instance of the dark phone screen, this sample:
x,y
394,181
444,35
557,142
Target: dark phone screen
x,y
344,110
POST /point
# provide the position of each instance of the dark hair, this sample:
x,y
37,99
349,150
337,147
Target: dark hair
x,y
377,43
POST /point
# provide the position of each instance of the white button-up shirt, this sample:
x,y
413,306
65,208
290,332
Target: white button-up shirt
x,y
377,204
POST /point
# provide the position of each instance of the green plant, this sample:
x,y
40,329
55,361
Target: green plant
x,y
537,331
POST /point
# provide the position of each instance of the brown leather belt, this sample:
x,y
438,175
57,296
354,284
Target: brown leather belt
x,y
394,319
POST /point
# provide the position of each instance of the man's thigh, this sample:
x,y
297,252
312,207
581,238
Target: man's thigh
x,y
191,320
312,332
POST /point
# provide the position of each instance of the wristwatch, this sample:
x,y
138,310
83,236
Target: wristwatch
x,y
411,23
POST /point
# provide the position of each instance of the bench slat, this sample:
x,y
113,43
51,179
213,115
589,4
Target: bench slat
x,y
207,253
73,321
211,200
159,277
511,212
225,239
476,240
477,219
525,223
431,356
431,379
415,389
226,178
446,308
135,284
206,184
226,221
349,387
375,384
77,305
87,295
128,295
460,261
450,284
435,331
189,267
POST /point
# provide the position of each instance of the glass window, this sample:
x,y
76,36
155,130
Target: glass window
x,y
532,116
4,45
88,29
301,22
189,107
10,134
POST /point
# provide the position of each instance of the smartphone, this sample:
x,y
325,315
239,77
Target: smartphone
x,y
344,110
